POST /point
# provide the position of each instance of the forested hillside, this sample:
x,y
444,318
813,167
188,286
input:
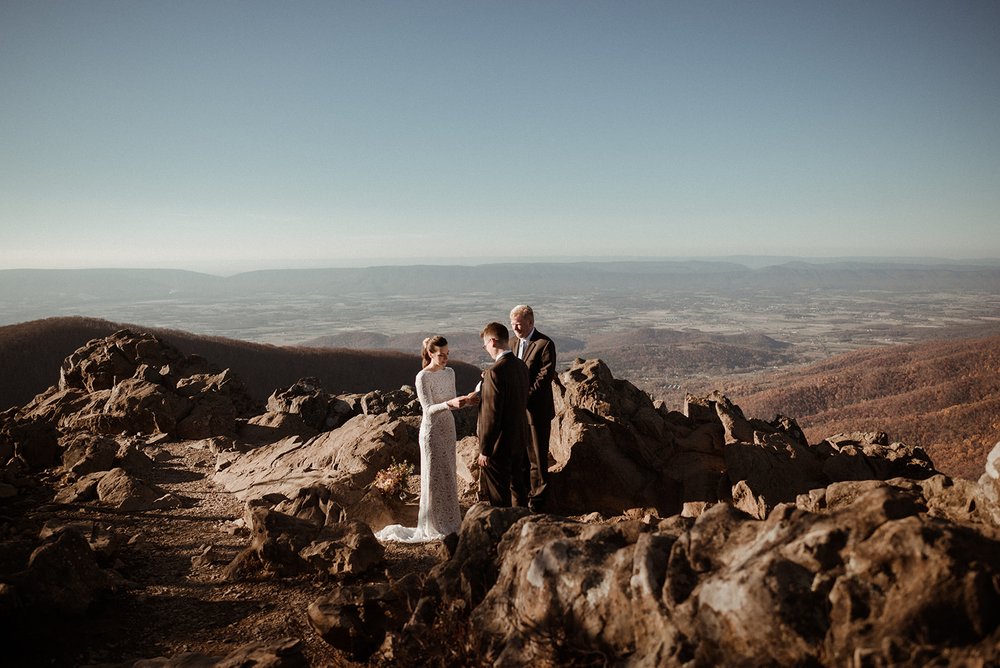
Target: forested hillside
x,y
32,352
941,395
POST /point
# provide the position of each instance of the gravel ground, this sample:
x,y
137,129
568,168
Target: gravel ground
x,y
173,603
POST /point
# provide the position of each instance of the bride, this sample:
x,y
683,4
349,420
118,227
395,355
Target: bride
x,y
438,514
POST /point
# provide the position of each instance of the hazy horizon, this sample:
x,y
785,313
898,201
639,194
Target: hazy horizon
x,y
236,136
749,261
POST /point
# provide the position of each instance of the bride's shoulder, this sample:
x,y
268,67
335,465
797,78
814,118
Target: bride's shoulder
x,y
427,372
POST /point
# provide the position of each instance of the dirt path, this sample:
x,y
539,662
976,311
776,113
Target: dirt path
x,y
174,602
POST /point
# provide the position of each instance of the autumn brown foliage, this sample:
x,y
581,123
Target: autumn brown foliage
x,y
943,396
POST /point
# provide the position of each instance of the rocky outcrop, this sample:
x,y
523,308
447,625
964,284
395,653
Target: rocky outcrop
x,y
84,453
616,449
872,580
852,551
138,384
320,411
347,457
383,430
317,410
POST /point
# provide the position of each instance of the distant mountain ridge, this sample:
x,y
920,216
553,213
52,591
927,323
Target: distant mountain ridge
x,y
27,285
31,354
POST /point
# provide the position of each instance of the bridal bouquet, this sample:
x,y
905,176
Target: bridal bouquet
x,y
392,480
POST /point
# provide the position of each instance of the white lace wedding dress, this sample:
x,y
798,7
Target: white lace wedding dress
x,y
438,514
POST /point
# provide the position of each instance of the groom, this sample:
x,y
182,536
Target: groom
x,y
503,422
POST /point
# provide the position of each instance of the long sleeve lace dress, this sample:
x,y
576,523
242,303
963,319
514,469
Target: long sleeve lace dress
x,y
438,513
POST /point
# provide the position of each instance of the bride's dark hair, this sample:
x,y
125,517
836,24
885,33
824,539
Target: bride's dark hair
x,y
431,343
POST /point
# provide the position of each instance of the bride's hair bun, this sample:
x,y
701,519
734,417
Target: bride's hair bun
x,y
437,341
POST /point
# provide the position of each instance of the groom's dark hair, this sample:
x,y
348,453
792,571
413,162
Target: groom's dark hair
x,y
495,330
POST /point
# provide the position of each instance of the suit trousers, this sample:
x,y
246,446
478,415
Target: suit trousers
x,y
503,482
538,459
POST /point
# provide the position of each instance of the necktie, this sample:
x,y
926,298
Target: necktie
x,y
521,348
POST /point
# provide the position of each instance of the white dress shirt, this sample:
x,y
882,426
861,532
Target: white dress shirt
x,y
522,344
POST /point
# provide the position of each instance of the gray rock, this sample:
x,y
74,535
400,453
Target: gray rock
x,y
123,491
355,619
62,577
310,536
85,452
345,547
82,490
348,457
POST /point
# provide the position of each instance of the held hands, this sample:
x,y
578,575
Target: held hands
x,y
471,399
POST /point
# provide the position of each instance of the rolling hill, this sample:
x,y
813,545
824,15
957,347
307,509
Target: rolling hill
x,y
659,359
941,395
31,354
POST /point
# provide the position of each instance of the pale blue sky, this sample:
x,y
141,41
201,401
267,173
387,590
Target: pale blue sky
x,y
233,135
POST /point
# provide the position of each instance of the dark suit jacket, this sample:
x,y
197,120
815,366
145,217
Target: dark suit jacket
x,y
503,420
540,359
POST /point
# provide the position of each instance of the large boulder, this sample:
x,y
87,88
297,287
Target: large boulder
x,y
86,452
309,533
218,400
989,482
138,406
472,571
870,456
317,409
124,491
33,441
355,618
610,446
348,457
62,577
